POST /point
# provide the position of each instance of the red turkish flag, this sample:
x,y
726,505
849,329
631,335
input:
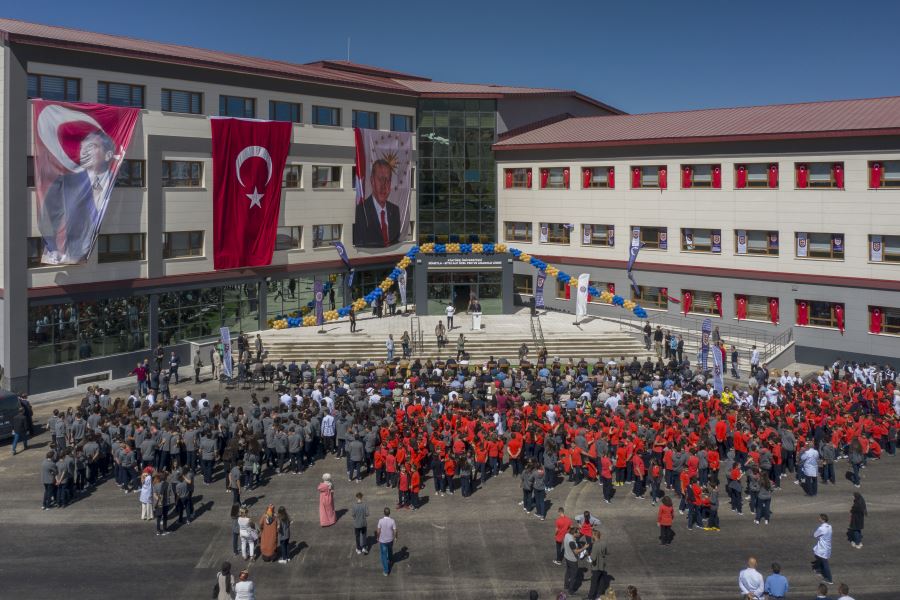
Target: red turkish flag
x,y
248,163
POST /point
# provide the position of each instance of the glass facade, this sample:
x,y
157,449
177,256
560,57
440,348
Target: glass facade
x,y
65,332
457,191
460,287
199,313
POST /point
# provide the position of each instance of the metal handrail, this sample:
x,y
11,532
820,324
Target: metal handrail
x,y
537,333
415,325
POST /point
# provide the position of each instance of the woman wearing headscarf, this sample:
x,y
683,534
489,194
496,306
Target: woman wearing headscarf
x,y
146,496
224,589
327,518
857,520
268,534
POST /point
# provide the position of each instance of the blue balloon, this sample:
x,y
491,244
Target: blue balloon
x,y
488,248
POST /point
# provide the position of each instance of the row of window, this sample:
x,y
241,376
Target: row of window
x,y
807,175
121,247
51,87
882,320
189,173
758,242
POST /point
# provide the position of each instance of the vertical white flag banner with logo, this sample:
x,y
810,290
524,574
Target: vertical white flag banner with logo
x,y
543,234
227,366
718,375
802,245
584,280
876,254
586,235
742,241
401,285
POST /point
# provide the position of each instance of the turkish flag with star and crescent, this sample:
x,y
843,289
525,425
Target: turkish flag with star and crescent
x,y
248,162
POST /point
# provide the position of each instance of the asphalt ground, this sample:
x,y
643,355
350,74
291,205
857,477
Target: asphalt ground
x,y
482,547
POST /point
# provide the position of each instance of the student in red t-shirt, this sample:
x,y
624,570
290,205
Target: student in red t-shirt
x,y
664,518
562,527
415,486
403,488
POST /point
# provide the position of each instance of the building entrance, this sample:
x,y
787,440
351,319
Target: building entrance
x,y
458,280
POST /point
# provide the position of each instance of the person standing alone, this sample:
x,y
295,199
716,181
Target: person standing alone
x,y
360,512
822,549
387,534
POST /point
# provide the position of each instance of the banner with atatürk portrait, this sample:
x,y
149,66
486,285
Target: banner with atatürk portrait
x,y
383,172
78,149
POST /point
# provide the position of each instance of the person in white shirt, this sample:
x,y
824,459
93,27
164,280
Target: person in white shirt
x,y
450,312
751,581
844,591
189,401
244,589
386,533
285,399
822,549
754,359
897,402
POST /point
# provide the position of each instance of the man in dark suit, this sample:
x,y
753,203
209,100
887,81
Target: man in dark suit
x,y
377,221
72,204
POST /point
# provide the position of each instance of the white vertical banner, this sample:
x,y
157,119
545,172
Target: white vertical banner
x,y
401,285
543,234
742,241
584,281
718,367
227,366
876,245
586,235
635,237
802,245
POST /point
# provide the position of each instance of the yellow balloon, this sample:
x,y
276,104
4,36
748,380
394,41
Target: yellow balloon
x,y
500,248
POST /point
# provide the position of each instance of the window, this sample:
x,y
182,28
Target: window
x,y
756,175
655,238
517,231
517,178
755,241
401,123
523,284
178,244
35,251
131,174
819,175
704,303
285,111
29,171
701,240
884,248
365,119
556,178
598,235
884,320
757,307
182,102
820,245
291,178
563,290
651,297
600,286
50,87
701,176
323,235
289,238
884,173
326,178
120,94
819,314
182,173
555,233
236,106
649,177
598,177
324,115
119,247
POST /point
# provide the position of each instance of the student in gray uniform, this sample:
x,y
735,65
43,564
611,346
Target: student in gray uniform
x,y
49,473
161,502
360,513
184,501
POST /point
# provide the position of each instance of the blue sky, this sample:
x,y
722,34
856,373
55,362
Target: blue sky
x,y
638,55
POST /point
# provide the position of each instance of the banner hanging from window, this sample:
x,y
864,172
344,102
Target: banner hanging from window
x,y
586,234
802,245
542,237
741,241
876,252
717,240
78,149
837,242
539,289
383,173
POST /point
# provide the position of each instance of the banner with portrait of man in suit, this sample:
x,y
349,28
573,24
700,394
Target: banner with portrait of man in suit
x,y
383,172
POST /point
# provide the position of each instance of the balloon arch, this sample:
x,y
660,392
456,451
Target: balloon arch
x,y
305,317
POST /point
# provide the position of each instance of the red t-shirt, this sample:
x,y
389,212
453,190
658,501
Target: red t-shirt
x,y
562,527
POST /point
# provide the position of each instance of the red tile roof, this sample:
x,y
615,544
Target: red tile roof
x,y
333,72
873,116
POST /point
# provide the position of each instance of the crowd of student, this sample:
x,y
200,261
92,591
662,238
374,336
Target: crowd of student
x,y
656,426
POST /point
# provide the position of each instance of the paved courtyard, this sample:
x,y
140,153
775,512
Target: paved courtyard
x,y
453,548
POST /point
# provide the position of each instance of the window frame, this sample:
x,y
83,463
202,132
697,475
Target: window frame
x,y
551,171
519,178
167,163
525,239
295,234
285,182
355,114
752,252
704,300
648,244
315,115
809,180
199,97
809,250
223,106
757,185
657,302
884,249
595,227
757,307
643,169
338,181
702,185
887,329
408,118
193,251
550,237
34,261
143,176
831,323
65,82
701,249
527,290
597,183
296,109
131,255
132,87
321,242
885,182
